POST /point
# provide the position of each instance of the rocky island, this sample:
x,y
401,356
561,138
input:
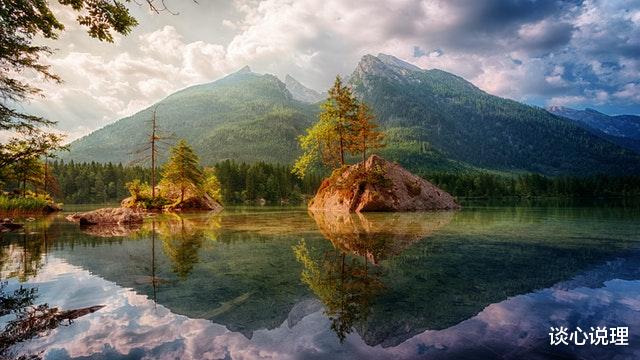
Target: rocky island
x,y
379,185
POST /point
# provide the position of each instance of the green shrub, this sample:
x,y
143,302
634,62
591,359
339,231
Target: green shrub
x,y
23,204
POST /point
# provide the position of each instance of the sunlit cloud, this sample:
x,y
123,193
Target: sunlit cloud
x,y
573,53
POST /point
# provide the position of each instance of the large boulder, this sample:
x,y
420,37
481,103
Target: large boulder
x,y
379,185
191,202
119,216
201,202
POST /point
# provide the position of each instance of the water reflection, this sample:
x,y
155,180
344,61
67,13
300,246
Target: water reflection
x,y
345,286
379,286
30,320
430,279
378,236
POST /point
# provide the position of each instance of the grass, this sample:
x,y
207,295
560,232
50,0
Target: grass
x,y
19,205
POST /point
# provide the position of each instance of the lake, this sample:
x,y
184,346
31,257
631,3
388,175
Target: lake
x,y
279,283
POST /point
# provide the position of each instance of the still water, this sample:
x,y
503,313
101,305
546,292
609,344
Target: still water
x,y
481,283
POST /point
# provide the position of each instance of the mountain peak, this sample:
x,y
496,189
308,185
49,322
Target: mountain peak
x,y
385,66
301,92
245,70
394,61
593,111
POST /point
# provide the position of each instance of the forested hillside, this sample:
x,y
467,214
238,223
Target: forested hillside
x,y
623,130
241,183
244,116
433,109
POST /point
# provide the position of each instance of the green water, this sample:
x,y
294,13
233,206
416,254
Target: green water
x,y
284,283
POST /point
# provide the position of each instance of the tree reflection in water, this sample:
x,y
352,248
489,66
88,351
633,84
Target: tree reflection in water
x,y
348,278
181,241
345,285
30,320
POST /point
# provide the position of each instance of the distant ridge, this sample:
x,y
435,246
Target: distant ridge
x,y
432,113
301,92
433,120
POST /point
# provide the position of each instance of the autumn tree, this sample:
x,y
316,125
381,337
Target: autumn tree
x,y
333,135
368,137
345,127
183,171
211,185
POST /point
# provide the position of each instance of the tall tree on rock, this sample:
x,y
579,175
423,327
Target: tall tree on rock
x,y
345,126
334,133
368,137
183,169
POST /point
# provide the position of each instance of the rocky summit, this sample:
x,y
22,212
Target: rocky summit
x,y
379,185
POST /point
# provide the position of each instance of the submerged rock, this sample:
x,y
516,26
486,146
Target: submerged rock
x,y
111,230
379,185
117,216
8,225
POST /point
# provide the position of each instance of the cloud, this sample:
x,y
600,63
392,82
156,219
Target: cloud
x,y
629,92
537,51
567,100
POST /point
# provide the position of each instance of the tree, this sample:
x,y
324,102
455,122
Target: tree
x,y
20,23
28,171
183,169
35,145
211,185
367,134
334,133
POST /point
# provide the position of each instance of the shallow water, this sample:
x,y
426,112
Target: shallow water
x,y
485,282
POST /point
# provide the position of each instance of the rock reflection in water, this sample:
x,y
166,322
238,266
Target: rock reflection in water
x,y
378,236
110,230
347,285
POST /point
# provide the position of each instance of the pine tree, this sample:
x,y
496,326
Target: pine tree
x,y
28,171
333,135
183,169
367,135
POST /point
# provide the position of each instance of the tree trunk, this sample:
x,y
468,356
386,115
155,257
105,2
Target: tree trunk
x,y
341,151
364,148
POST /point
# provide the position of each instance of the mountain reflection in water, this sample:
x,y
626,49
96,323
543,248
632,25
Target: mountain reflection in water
x,y
287,284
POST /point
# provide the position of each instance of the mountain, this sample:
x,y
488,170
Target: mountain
x,y
244,116
623,130
618,125
433,110
301,92
433,121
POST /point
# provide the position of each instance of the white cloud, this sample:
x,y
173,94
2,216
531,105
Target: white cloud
x,y
559,52
630,92
567,100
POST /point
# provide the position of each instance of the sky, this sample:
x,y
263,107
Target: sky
x,y
541,52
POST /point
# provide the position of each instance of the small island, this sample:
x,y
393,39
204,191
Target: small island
x,y
346,127
379,185
184,186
